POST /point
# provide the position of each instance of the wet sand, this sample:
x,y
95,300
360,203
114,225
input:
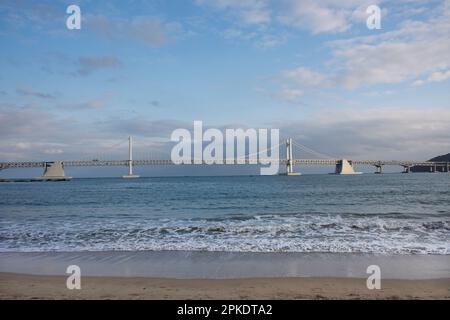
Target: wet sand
x,y
221,275
225,265
16,286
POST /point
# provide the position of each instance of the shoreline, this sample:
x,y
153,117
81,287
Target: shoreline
x,y
225,265
221,275
20,286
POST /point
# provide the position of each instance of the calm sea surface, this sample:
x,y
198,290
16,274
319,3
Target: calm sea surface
x,y
389,214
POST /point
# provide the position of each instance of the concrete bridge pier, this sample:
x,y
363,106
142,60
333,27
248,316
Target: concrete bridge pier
x,y
54,171
379,169
407,169
433,168
344,167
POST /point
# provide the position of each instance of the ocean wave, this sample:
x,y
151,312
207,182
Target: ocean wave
x,y
259,233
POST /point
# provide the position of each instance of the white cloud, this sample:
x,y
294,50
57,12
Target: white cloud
x,y
270,41
289,94
305,77
265,16
317,17
263,40
53,151
415,51
380,133
437,76
391,62
250,21
57,136
145,29
327,16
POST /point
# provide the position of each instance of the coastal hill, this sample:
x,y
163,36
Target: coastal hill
x,y
442,158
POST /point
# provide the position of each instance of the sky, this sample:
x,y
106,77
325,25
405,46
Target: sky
x,y
312,69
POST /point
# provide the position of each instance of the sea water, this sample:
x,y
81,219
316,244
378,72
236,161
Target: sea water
x,y
382,214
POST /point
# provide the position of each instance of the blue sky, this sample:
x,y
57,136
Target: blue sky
x,y
310,68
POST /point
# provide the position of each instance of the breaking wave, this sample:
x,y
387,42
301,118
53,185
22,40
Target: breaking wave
x,y
259,233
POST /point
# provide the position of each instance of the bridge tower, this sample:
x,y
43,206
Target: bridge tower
x,y
130,160
290,159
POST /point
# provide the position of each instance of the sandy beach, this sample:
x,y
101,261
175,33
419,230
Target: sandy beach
x,y
220,275
17,286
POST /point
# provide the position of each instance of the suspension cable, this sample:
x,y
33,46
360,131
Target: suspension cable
x,y
309,150
257,153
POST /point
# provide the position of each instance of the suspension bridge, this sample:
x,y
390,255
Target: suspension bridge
x,y
54,170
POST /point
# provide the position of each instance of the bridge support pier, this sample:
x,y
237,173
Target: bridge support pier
x,y
407,169
54,171
433,168
379,169
345,167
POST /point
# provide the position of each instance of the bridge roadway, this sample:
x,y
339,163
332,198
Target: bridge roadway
x,y
107,163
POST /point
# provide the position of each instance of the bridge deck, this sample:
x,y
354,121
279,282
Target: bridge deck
x,y
107,163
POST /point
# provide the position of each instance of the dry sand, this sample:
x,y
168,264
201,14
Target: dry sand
x,y
17,286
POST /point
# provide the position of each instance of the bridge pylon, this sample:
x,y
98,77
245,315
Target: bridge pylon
x,y
290,159
130,160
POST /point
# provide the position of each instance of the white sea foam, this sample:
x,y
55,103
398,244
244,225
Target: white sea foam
x,y
261,233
